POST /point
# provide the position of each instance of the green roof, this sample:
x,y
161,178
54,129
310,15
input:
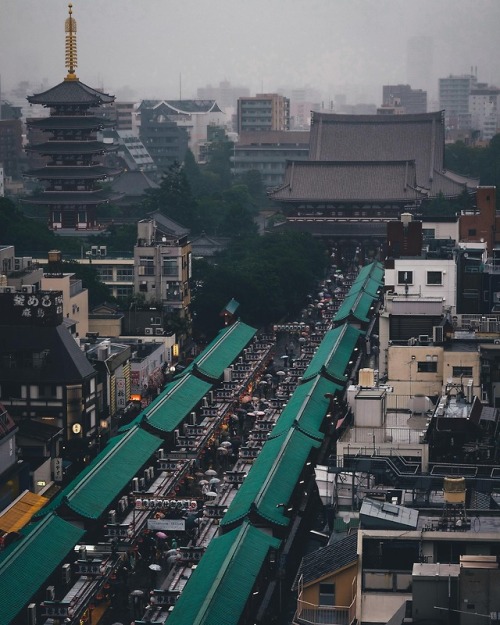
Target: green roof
x,y
306,409
92,491
222,351
219,588
178,400
27,563
333,353
273,477
356,305
374,271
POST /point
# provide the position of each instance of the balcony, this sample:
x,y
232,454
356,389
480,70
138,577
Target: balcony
x,y
310,614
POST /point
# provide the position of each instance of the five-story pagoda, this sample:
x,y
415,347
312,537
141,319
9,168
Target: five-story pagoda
x,y
73,173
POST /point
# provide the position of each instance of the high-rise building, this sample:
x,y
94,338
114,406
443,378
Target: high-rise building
x,y
411,100
454,94
484,107
265,111
73,172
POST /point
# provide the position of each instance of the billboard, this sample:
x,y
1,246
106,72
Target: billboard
x,y
41,308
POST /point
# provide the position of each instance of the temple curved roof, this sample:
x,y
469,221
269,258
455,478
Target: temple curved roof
x,y
69,122
71,92
75,198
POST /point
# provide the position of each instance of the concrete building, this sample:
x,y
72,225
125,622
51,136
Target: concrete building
x,y
411,100
454,92
263,112
268,152
484,107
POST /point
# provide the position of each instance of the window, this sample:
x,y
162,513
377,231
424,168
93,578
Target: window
x,y
472,232
122,292
124,274
327,594
143,287
434,277
146,266
105,273
460,371
426,367
405,277
169,267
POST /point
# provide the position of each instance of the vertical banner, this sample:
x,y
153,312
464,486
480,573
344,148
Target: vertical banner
x,y
121,395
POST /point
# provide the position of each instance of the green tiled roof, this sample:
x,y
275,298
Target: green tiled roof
x,y
334,353
273,477
222,351
374,271
218,589
178,400
92,495
27,563
306,408
356,305
91,492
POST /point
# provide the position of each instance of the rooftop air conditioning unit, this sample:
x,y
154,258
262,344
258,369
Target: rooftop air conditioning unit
x,y
159,331
28,288
148,331
66,573
423,338
7,289
437,334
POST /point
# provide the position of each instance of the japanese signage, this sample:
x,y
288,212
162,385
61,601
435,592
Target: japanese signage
x,y
42,308
121,395
167,525
58,469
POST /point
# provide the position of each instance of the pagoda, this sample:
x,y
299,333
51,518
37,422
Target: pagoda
x,y
73,172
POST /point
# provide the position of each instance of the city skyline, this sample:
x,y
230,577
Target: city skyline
x,y
167,50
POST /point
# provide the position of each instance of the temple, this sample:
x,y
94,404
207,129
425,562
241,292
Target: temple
x,y
73,172
365,170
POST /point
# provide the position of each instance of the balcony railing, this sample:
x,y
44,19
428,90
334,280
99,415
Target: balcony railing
x,y
310,614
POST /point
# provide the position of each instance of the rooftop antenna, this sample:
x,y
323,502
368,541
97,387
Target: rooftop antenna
x,y
70,28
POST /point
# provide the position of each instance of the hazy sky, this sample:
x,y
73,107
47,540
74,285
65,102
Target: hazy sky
x,y
331,45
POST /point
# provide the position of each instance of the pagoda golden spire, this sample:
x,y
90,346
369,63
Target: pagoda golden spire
x,y
70,28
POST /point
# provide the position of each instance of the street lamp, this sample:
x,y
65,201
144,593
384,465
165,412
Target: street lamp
x,y
413,358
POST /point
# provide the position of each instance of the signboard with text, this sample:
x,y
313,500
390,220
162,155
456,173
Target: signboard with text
x,y
41,308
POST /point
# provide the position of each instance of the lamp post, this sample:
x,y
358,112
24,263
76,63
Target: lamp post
x,y
413,358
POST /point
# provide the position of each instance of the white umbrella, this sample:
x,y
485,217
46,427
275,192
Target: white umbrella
x,y
210,472
225,444
215,480
211,493
203,482
260,413
280,373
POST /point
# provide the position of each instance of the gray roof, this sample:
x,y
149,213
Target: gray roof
x,y
327,560
418,137
356,181
274,137
134,183
169,226
383,515
66,363
71,92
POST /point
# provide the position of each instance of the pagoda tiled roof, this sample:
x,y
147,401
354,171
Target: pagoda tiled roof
x,y
77,198
93,172
71,92
72,147
69,122
418,137
356,181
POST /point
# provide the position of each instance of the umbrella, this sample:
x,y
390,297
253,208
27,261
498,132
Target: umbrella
x,y
260,413
161,535
210,472
250,414
222,451
211,493
225,444
245,399
269,376
155,567
203,482
280,373
172,552
137,593
215,480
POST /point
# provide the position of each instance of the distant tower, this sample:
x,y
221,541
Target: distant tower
x,y
73,155
419,64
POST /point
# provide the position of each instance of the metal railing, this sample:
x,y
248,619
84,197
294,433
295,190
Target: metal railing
x,y
308,613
